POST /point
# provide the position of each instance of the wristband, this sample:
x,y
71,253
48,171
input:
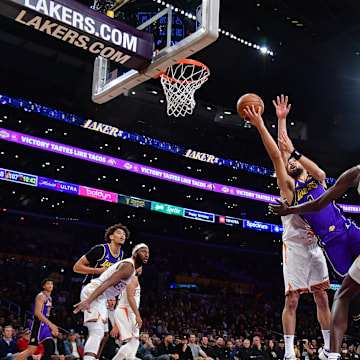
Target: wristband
x,y
296,155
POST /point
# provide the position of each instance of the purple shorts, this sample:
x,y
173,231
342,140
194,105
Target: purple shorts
x,y
39,332
343,249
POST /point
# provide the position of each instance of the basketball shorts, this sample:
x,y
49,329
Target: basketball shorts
x,y
304,268
354,271
125,320
98,308
343,249
39,332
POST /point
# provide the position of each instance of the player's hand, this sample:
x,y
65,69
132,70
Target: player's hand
x,y
82,306
281,106
54,329
285,141
138,322
253,117
280,209
101,270
114,332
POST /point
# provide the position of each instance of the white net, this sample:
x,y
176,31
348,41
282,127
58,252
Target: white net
x,y
180,81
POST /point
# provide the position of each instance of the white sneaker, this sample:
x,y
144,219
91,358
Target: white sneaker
x,y
324,355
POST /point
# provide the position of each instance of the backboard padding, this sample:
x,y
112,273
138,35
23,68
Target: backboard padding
x,y
107,85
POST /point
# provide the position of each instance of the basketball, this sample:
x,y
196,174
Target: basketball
x,y
249,100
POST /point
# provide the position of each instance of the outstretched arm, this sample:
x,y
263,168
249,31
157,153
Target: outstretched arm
x,y
311,167
123,273
285,182
348,178
282,110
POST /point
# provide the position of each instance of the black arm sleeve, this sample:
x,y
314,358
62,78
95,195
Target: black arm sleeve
x,y
95,254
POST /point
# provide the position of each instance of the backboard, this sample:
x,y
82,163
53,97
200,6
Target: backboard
x,y
180,28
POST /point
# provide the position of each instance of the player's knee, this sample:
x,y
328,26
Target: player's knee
x,y
292,301
341,297
321,299
49,348
96,334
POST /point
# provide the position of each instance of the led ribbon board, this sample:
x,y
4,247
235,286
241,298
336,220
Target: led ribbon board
x,y
80,26
103,195
140,139
121,164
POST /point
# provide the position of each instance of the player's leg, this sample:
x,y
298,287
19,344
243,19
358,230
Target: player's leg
x,y
339,312
94,322
34,340
104,340
319,282
289,322
95,335
323,311
136,335
128,350
122,319
49,348
295,278
323,315
26,353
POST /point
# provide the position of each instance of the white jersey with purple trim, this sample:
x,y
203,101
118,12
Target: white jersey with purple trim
x,y
295,230
117,289
124,301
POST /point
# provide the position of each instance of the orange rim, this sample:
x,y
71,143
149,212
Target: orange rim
x,y
189,62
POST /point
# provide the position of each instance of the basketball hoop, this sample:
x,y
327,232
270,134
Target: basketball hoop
x,y
180,81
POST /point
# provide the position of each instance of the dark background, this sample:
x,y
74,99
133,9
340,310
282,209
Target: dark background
x,y
315,64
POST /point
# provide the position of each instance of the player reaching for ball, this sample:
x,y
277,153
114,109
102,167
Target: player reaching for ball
x,y
40,325
339,236
249,100
351,285
304,265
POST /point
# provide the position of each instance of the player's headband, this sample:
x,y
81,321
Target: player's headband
x,y
139,246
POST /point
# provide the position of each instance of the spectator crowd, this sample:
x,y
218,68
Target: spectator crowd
x,y
178,324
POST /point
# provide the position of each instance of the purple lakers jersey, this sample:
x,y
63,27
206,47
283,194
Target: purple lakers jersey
x,y
328,222
101,256
46,307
